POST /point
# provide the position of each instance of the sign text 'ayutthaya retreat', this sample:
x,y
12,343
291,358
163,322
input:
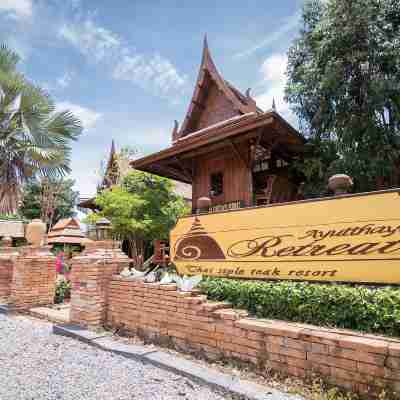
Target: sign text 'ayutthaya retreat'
x,y
349,238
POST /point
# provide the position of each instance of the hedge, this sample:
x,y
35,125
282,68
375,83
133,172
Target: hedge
x,y
362,308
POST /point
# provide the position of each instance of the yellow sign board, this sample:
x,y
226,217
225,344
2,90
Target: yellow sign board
x,y
348,238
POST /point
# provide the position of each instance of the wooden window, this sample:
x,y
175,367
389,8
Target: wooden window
x,y
216,184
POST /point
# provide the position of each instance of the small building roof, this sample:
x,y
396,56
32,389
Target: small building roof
x,y
66,231
88,203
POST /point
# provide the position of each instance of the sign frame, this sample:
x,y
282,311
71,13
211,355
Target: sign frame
x,y
346,238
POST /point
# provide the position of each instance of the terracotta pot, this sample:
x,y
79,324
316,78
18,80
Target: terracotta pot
x,y
36,232
340,183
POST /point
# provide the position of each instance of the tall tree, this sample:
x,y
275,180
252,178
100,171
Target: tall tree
x,y
49,200
142,209
34,138
344,85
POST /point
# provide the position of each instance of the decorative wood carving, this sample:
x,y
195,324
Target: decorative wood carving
x,y
236,103
268,190
253,146
175,132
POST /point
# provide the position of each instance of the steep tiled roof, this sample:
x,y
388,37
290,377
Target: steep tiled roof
x,y
240,103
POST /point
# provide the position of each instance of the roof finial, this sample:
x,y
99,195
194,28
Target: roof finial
x,y
206,52
175,131
205,41
112,147
273,104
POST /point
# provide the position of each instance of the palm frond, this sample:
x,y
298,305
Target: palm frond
x,y
8,59
34,138
64,126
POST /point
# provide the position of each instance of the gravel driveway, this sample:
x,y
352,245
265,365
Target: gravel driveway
x,y
37,365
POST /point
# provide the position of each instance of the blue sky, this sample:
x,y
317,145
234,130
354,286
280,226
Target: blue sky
x,y
127,67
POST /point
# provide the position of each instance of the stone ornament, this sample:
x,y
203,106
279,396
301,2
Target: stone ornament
x,y
203,203
36,232
340,184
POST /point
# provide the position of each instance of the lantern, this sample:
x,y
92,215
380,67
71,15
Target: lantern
x,y
103,229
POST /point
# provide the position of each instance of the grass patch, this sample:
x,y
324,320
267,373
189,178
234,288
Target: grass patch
x,y
361,308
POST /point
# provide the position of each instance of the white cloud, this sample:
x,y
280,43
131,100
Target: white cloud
x,y
92,40
273,68
75,3
64,80
289,24
153,73
87,116
273,81
16,9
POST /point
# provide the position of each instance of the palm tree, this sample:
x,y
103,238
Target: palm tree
x,y
34,138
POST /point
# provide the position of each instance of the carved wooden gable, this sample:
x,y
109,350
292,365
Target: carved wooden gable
x,y
215,108
112,172
214,100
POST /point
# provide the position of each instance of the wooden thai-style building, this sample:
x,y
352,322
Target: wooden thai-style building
x,y
111,178
227,148
113,175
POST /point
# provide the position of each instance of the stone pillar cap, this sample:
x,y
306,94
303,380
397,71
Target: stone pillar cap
x,y
340,183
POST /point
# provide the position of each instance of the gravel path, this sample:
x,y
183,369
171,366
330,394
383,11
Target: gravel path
x,y
37,365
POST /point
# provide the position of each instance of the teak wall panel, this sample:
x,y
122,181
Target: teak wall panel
x,y
237,181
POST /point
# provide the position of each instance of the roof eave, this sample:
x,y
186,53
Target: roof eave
x,y
214,136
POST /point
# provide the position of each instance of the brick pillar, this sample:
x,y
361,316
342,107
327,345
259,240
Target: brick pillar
x,y
91,274
34,278
7,256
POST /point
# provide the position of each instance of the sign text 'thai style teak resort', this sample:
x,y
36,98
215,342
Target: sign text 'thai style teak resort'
x,y
257,226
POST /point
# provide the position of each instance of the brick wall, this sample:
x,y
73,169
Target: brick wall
x,y
91,272
159,313
7,254
34,278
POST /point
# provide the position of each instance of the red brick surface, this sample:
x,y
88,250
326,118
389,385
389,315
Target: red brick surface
x,y
33,278
365,364
362,363
91,273
7,256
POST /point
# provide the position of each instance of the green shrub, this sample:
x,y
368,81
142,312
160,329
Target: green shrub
x,y
360,308
63,291
11,217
